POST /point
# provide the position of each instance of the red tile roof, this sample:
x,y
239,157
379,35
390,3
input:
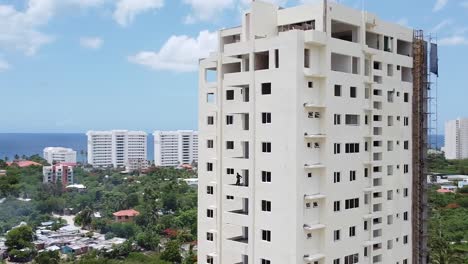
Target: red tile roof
x,y
444,191
24,163
130,212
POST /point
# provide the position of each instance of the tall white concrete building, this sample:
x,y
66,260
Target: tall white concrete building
x,y
59,155
456,139
305,139
173,148
115,148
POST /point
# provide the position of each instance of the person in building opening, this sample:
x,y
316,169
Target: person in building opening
x,y
238,177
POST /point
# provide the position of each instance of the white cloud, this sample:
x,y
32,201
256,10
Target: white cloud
x,y
455,40
179,53
443,24
205,10
126,10
91,42
4,65
88,3
439,5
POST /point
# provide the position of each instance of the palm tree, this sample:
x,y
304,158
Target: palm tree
x,y
17,157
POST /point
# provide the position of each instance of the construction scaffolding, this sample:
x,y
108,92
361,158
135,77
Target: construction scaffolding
x,y
421,124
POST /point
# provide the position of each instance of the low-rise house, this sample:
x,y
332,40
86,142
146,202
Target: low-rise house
x,y
23,163
125,216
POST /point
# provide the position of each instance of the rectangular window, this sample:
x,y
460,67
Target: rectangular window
x,y
209,143
209,166
229,171
266,176
336,261
266,147
336,206
336,235
406,144
352,92
277,59
210,98
229,120
210,120
209,213
406,97
352,231
266,206
405,168
337,177
209,189
230,95
229,197
352,203
306,58
390,195
266,235
405,216
337,148
337,90
266,88
209,259
310,84
405,239
229,144
352,120
406,121
351,259
265,261
405,192
352,175
209,236
352,147
266,118
337,119
366,225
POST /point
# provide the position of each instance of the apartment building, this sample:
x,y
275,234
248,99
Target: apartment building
x,y
456,139
174,148
58,173
305,139
115,148
58,155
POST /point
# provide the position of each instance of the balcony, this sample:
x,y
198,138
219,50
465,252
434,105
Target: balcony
x,y
313,73
314,166
313,37
312,197
314,136
313,105
313,227
314,257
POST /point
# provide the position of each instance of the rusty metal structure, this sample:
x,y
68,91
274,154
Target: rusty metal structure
x,y
420,125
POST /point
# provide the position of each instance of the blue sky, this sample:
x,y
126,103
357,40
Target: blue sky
x,y
75,65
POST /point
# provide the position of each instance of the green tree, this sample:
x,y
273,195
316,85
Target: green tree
x,y
84,218
47,257
19,243
191,257
172,252
148,239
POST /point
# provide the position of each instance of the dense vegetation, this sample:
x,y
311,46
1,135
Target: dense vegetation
x,y
448,224
167,209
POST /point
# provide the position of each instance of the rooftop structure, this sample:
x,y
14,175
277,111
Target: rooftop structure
x,y
55,155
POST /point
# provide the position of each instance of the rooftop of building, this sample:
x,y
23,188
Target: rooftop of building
x,y
23,163
58,149
129,212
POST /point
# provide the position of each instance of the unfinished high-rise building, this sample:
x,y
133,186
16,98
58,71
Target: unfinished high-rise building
x,y
310,128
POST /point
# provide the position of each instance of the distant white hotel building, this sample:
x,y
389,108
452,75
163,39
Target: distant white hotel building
x,y
115,148
456,139
59,155
306,139
173,148
58,173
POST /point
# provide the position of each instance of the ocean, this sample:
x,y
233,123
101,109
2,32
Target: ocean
x,y
31,143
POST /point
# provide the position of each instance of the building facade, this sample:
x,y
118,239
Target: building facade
x,y
115,148
58,155
305,139
58,173
456,139
174,148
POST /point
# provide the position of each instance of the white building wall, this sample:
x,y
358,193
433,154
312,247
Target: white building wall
x,y
59,154
456,139
302,134
114,148
173,148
